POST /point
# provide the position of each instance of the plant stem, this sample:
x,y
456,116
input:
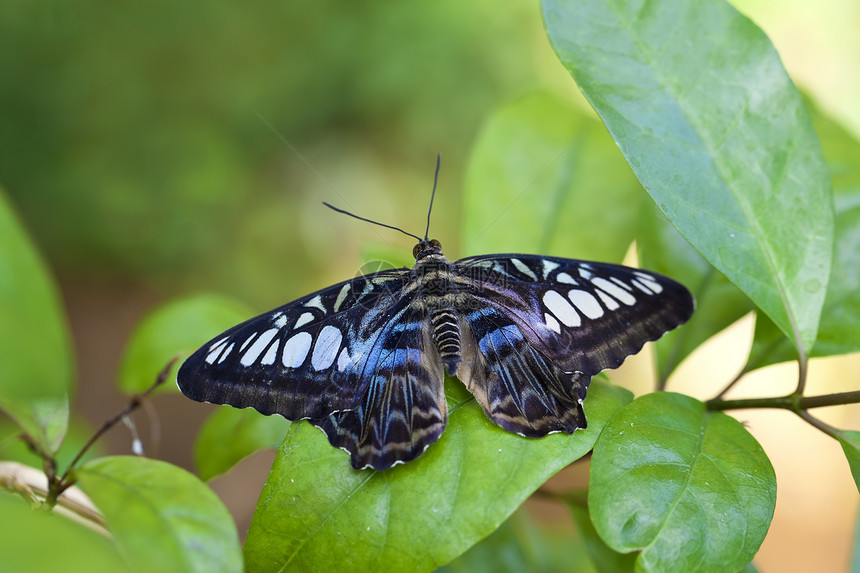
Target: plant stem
x,y
793,402
58,486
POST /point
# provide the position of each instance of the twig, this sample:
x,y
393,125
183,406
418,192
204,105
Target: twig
x,y
58,486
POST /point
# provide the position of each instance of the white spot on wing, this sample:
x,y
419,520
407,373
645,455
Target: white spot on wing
x,y
552,323
316,302
566,279
585,303
548,267
523,268
226,353
341,296
561,308
305,318
215,349
296,349
586,274
279,320
271,354
326,347
640,286
650,282
257,348
610,302
621,283
247,342
614,290
343,360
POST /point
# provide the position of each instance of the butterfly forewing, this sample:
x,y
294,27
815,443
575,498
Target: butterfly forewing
x,y
584,316
302,360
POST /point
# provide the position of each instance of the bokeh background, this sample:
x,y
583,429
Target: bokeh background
x,y
159,149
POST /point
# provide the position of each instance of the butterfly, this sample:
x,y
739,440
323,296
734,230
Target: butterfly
x,y
365,359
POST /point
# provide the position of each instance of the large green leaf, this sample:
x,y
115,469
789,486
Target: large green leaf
x,y
718,302
162,517
544,177
698,101
839,331
36,367
691,489
316,513
229,434
35,541
174,329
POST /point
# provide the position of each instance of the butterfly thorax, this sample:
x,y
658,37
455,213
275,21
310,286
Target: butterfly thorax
x,y
436,287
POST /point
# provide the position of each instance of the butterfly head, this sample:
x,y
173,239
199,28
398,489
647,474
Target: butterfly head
x,y
427,247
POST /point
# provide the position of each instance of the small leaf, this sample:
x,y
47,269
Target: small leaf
x,y
36,365
718,302
35,540
697,99
162,517
230,434
548,170
850,441
316,513
691,490
176,328
839,331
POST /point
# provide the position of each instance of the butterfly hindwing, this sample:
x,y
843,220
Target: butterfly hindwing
x,y
518,387
403,410
583,316
303,359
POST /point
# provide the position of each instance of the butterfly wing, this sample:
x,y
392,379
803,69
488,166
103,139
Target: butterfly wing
x,y
403,409
352,358
584,316
519,388
300,360
538,328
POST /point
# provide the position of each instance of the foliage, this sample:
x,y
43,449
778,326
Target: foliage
x,y
710,125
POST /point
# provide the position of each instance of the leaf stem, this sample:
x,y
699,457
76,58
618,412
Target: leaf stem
x,y
792,401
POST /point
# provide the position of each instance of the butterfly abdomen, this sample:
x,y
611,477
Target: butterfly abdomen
x,y
446,335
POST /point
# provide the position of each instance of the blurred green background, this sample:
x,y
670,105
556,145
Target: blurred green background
x,y
147,147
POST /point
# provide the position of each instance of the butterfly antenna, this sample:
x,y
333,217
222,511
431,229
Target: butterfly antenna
x,y
353,215
432,195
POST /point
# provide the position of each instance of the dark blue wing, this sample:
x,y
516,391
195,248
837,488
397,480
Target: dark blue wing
x,y
582,316
403,409
305,359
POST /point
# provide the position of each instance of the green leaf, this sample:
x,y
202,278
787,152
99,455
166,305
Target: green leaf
x,y
691,490
718,302
839,331
850,441
36,368
229,434
316,513
162,517
549,172
698,101
35,541
605,559
521,545
176,328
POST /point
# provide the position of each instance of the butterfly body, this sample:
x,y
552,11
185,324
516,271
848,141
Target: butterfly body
x,y
365,359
